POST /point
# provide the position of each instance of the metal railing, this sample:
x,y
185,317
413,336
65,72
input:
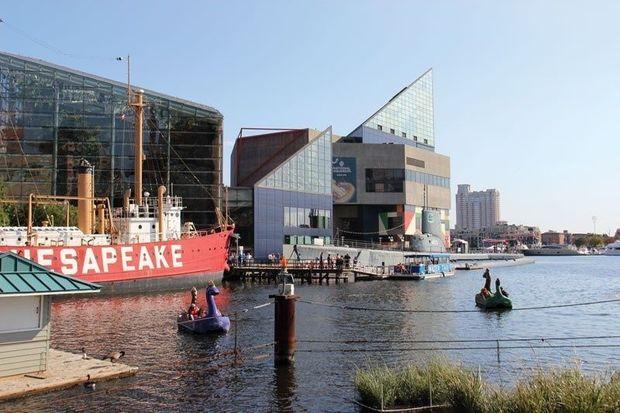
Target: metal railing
x,y
361,244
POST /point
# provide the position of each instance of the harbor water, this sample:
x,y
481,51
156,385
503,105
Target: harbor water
x,y
182,372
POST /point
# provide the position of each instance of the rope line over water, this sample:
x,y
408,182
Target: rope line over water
x,y
404,310
475,340
402,349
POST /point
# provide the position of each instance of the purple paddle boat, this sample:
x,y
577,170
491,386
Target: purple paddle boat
x,y
212,322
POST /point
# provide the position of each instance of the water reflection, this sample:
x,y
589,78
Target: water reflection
x,y
284,388
181,372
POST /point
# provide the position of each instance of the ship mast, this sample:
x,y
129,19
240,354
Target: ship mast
x,y
137,103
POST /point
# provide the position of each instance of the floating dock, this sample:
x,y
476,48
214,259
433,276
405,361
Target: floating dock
x,y
64,370
369,274
267,273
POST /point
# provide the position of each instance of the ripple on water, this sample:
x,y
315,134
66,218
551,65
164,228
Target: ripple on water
x,y
177,370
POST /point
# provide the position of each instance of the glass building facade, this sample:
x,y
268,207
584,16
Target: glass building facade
x,y
51,117
293,203
406,118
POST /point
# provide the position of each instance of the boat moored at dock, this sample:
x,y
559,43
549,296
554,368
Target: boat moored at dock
x,y
551,250
420,266
612,249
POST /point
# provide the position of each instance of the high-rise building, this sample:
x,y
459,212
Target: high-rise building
x,y
476,209
52,116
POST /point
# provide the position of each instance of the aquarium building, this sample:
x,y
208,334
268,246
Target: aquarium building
x,y
389,183
281,190
52,116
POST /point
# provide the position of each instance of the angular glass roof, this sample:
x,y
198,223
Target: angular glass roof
x,y
409,114
308,170
78,77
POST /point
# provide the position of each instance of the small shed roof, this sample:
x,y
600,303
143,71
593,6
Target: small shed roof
x,y
20,276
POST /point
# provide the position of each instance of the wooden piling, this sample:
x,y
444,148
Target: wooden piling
x,y
285,339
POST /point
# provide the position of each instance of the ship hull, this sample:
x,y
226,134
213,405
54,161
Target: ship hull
x,y
150,266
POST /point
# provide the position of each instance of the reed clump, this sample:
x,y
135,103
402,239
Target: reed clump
x,y
442,382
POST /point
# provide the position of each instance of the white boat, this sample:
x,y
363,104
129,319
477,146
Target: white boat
x,y
612,249
554,249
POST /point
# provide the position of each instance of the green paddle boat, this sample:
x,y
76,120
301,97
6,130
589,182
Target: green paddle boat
x,y
488,301
493,301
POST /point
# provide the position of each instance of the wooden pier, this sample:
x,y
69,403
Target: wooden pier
x,y
64,370
301,272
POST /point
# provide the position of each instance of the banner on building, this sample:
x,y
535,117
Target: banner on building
x,y
343,180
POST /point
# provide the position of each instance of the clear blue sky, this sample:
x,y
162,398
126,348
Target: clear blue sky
x,y
527,94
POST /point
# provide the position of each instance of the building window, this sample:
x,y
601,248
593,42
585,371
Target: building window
x,y
307,218
415,162
379,127
26,311
415,138
392,131
404,134
384,180
426,141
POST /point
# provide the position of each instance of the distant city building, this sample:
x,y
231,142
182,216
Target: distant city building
x,y
476,209
502,231
557,238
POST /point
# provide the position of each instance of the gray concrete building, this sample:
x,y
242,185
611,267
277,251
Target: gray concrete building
x,y
476,209
386,172
385,182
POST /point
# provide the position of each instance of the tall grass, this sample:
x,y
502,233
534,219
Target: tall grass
x,y
442,382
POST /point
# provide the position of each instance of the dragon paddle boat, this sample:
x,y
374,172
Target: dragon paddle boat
x,y
489,301
210,322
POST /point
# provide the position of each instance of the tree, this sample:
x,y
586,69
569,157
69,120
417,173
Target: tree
x,y
593,241
4,216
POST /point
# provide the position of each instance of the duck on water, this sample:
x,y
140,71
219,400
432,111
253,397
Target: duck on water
x,y
486,300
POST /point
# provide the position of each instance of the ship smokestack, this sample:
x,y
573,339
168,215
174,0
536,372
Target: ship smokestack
x,y
85,190
161,190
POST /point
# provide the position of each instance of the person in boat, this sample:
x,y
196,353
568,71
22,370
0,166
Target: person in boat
x,y
193,311
212,291
486,290
499,288
193,307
